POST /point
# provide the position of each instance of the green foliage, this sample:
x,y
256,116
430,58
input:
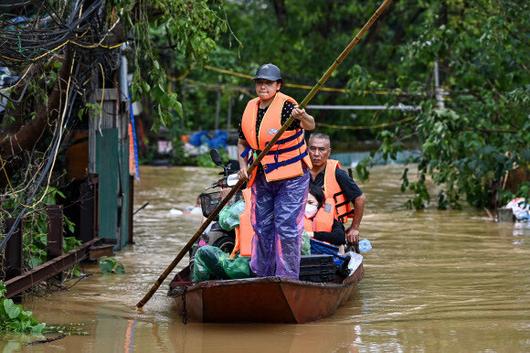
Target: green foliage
x,y
169,36
35,228
524,192
36,232
178,157
468,146
110,265
361,169
204,160
13,317
483,132
481,47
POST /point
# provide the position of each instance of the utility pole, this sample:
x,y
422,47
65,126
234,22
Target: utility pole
x,y
229,114
217,109
438,91
218,105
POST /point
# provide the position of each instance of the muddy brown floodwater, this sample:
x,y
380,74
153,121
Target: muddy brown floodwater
x,y
436,281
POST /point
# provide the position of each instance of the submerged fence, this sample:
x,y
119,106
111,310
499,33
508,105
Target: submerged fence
x,y
17,279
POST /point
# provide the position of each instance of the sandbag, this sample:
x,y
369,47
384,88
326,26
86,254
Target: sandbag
x,y
211,263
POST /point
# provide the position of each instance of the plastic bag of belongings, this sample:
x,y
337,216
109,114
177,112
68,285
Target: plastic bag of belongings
x,y
229,215
346,264
212,263
520,209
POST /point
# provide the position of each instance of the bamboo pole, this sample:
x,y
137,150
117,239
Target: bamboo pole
x,y
263,153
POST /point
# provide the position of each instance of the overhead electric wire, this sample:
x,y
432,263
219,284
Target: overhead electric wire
x,y
22,43
396,92
366,127
28,43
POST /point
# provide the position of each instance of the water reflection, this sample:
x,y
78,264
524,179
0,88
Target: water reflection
x,y
436,281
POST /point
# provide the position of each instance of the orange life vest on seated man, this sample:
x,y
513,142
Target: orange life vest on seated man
x,y
335,204
285,159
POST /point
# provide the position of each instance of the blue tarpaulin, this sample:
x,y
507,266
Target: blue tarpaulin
x,y
198,138
321,248
218,140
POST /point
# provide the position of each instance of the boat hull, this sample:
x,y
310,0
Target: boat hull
x,y
266,299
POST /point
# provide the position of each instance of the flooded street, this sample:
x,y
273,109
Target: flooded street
x,y
435,281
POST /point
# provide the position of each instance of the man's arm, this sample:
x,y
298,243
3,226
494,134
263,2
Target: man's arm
x,y
352,233
353,193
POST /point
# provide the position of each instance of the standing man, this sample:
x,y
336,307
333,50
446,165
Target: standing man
x,y
339,189
280,184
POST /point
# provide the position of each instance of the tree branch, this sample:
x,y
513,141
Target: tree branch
x,y
27,136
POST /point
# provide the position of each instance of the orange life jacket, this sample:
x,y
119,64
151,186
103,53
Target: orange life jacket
x,y
335,204
308,225
245,231
285,159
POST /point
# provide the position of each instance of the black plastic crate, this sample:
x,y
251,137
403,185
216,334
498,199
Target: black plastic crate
x,y
316,260
320,278
322,273
317,268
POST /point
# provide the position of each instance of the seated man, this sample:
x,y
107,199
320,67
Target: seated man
x,y
339,189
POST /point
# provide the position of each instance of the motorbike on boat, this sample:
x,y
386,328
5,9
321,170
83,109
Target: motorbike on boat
x,y
209,199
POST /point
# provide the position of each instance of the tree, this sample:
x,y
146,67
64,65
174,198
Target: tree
x,y
63,51
467,146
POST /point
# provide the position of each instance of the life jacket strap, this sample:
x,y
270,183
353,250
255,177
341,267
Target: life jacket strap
x,y
290,138
346,215
245,153
337,195
289,149
342,204
273,166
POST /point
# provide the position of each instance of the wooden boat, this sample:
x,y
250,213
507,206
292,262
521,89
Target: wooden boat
x,y
262,299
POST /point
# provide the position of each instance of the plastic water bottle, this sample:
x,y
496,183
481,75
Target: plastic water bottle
x,y
364,246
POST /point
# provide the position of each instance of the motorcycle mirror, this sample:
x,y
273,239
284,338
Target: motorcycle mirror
x,y
216,157
232,179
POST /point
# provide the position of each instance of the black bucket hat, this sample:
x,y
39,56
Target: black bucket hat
x,y
268,72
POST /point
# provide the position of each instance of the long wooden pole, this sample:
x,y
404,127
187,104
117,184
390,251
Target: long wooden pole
x,y
263,153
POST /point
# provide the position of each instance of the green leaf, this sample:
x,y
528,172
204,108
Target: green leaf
x,y
3,289
105,265
37,329
119,268
178,108
110,265
12,310
35,261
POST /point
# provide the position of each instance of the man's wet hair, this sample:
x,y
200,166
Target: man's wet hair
x,y
319,135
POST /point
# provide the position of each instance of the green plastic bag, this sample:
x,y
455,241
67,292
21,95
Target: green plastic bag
x,y
229,215
306,244
210,263
238,268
